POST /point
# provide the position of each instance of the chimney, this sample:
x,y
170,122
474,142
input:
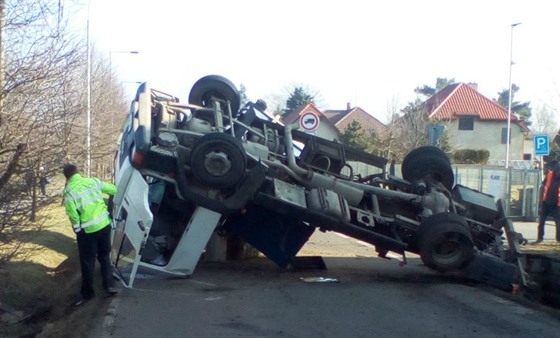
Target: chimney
x,y
348,106
473,85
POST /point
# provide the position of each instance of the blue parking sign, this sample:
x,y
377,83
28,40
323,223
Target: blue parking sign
x,y
542,147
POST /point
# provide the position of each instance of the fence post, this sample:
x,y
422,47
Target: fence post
x,y
523,199
481,178
509,179
537,194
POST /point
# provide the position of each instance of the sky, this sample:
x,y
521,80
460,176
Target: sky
x,y
371,54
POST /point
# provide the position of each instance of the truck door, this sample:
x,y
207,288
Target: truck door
x,y
132,222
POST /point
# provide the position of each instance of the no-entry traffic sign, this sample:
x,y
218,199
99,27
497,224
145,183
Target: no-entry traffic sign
x,y
309,121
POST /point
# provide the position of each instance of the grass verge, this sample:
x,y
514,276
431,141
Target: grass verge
x,y
38,286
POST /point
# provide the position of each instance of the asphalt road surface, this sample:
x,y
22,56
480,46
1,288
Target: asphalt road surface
x,y
359,295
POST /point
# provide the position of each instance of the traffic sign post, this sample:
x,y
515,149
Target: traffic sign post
x,y
542,145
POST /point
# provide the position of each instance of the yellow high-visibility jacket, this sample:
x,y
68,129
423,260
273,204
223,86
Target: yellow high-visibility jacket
x,y
84,203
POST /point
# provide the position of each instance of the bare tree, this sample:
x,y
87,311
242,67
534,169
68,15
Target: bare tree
x,y
408,130
109,113
40,106
545,120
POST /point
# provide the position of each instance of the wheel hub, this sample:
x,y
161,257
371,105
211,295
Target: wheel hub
x,y
217,163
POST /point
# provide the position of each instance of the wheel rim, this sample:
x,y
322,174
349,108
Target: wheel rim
x,y
445,242
217,163
449,251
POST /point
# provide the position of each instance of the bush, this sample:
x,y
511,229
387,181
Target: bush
x,y
471,156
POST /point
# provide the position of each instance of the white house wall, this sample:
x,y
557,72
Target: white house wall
x,y
529,147
326,130
487,135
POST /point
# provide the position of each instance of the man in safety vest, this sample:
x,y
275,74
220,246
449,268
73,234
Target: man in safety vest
x,y
87,210
550,201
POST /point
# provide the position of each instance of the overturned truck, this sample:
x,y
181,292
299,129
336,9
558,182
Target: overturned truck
x,y
187,170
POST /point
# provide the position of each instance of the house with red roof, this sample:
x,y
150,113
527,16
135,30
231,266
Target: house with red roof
x,y
473,121
325,129
334,122
341,119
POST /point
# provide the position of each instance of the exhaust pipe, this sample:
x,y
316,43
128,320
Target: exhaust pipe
x,y
312,179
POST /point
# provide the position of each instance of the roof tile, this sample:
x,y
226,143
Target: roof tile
x,y
461,99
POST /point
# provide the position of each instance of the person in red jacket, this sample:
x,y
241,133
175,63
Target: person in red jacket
x,y
550,201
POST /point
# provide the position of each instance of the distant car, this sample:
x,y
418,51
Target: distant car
x,y
186,170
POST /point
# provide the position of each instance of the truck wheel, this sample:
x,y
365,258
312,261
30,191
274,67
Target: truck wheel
x,y
218,160
445,242
218,87
428,161
424,151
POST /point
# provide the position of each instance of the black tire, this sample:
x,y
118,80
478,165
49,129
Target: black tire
x,y
422,152
218,160
445,242
215,86
425,162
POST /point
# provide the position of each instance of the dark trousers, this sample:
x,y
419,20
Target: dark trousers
x,y
90,246
546,211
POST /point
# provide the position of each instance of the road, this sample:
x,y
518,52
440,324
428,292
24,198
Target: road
x,y
529,230
371,297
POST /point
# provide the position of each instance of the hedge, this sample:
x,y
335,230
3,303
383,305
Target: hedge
x,y
470,156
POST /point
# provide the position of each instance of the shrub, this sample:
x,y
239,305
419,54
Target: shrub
x,y
471,156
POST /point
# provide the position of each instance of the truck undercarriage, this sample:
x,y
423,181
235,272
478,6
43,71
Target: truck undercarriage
x,y
185,171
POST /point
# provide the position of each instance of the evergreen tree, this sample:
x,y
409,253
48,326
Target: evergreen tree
x,y
441,82
521,109
354,136
298,98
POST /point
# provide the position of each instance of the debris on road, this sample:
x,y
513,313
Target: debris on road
x,y
319,280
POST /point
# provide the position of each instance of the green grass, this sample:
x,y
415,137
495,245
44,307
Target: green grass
x,y
40,284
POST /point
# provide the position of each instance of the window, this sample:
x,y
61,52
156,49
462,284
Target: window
x,y
504,135
527,157
466,123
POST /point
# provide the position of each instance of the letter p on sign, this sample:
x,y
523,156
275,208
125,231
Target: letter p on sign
x,y
542,147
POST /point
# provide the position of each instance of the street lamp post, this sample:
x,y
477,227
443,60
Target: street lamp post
x,y
88,123
508,135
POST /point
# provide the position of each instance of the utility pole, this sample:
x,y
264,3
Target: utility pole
x,y
510,94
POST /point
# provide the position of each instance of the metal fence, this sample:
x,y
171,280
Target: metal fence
x,y
517,186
